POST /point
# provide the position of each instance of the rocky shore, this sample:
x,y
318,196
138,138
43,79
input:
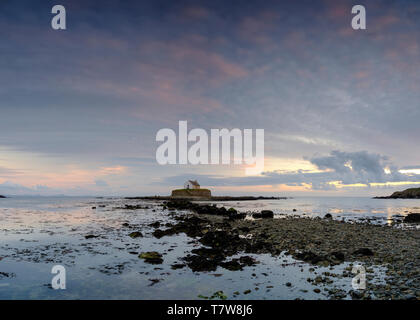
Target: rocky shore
x,y
224,233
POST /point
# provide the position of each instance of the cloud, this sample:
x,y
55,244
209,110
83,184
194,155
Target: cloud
x,y
356,167
345,168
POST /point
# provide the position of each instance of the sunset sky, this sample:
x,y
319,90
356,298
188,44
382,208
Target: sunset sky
x,y
80,108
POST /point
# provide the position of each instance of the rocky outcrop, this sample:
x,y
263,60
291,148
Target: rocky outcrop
x,y
413,193
2,197
191,194
204,209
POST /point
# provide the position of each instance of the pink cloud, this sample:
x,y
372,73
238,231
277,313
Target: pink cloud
x,y
196,61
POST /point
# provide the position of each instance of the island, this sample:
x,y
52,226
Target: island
x,y
193,191
412,193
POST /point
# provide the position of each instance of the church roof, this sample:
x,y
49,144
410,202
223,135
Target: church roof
x,y
194,182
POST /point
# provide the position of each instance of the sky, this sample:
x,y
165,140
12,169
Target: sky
x,y
80,108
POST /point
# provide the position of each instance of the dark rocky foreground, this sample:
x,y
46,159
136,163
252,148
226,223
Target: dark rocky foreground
x,y
413,193
224,233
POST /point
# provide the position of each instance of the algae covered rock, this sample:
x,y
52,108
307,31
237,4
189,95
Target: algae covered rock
x,y
151,257
136,234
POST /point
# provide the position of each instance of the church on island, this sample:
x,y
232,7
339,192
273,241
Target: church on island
x,y
191,184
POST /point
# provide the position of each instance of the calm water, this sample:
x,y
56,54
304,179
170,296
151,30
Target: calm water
x,y
38,233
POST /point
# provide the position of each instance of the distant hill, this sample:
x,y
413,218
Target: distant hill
x,y
413,193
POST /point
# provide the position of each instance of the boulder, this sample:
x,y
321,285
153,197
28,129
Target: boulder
x,y
412,218
264,214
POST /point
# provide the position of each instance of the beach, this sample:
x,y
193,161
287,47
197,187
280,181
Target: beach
x,y
116,248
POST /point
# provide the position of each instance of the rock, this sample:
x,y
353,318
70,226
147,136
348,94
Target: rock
x,y
153,282
316,290
2,197
288,284
220,239
267,214
294,210
328,216
155,224
338,255
412,218
309,256
91,236
232,211
247,291
198,263
151,257
232,265
363,252
204,209
237,216
93,208
247,261
264,214
356,294
158,233
136,234
205,259
7,275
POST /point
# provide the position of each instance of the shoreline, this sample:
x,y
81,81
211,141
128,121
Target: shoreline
x,y
321,242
